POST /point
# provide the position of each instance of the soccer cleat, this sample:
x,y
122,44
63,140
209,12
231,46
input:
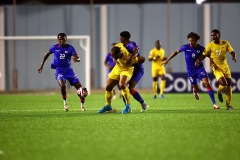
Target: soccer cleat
x,y
230,108
105,109
196,95
144,107
216,106
220,98
127,109
162,96
154,97
66,108
83,108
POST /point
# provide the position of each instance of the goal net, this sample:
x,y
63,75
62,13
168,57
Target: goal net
x,y
21,56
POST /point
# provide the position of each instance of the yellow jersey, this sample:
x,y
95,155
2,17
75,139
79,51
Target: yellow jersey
x,y
121,62
218,52
157,53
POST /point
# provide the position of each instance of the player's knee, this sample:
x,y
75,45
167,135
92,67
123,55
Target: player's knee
x,y
122,86
109,88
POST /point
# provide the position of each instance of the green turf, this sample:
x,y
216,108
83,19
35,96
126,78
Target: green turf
x,y
35,127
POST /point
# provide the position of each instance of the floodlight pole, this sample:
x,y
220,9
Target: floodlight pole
x,y
14,73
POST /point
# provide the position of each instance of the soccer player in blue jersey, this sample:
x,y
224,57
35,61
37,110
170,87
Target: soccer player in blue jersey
x,y
61,63
192,51
133,49
109,63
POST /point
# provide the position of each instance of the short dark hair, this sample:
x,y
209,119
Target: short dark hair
x,y
193,35
125,34
62,34
115,49
216,31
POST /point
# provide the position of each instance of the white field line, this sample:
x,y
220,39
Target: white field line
x,y
38,110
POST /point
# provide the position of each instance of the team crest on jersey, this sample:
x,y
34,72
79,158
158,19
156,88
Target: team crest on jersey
x,y
66,51
193,55
202,73
198,51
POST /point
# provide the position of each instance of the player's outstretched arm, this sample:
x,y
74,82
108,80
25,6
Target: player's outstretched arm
x,y
170,57
40,69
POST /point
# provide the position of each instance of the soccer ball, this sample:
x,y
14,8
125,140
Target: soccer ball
x,y
82,92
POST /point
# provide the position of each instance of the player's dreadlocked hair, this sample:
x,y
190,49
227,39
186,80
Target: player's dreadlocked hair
x,y
193,35
63,35
125,34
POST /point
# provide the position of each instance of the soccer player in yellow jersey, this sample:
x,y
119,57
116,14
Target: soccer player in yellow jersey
x,y
217,51
121,74
156,56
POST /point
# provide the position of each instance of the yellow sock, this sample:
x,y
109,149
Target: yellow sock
x,y
126,95
108,97
154,86
228,95
162,86
221,88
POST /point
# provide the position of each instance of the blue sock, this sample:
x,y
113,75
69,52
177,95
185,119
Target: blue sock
x,y
137,96
211,95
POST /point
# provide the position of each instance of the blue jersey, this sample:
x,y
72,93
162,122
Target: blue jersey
x,y
130,46
62,55
191,55
109,61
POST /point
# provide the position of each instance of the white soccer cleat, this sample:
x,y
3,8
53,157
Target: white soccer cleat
x,y
83,108
196,95
66,108
144,107
216,106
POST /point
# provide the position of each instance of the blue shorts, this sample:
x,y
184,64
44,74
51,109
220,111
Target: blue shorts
x,y
137,74
66,74
197,75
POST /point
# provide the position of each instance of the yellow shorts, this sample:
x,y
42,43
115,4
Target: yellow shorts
x,y
116,73
156,71
219,73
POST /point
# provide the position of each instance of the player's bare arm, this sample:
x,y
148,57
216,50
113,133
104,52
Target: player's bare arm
x,y
202,57
132,56
170,57
233,54
40,69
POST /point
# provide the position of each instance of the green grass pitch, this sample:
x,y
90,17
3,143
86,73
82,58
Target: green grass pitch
x,y
35,127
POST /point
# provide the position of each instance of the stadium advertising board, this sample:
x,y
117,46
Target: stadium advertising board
x,y
178,82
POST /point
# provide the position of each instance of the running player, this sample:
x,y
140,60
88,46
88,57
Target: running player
x,y
192,51
217,51
62,64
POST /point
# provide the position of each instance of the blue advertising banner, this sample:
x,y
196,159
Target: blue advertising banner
x,y
178,82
